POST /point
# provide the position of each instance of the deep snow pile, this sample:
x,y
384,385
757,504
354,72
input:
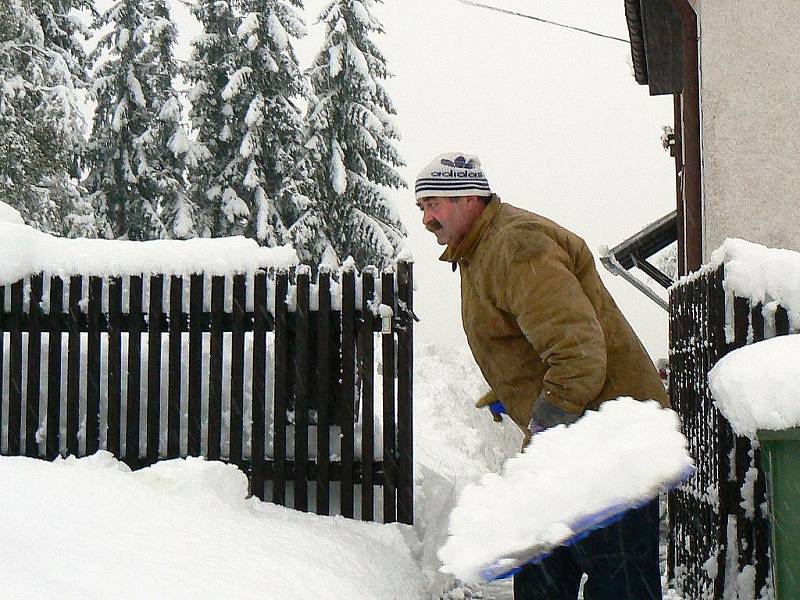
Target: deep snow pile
x,y
89,528
454,445
758,386
566,480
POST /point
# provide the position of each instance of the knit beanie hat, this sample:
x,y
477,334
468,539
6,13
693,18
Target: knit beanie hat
x,y
451,175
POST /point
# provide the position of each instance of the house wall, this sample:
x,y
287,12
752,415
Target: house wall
x,y
750,115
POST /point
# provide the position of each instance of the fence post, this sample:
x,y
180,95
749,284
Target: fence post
x,y
94,314
301,389
259,395
73,364
324,417
114,414
281,389
15,370
53,367
348,390
236,432
154,328
196,328
34,366
176,327
215,369
366,375
405,378
389,405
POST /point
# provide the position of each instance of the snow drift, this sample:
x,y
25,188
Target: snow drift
x,y
89,528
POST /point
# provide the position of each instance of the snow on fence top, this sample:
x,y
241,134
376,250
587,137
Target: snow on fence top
x,y
25,251
769,276
758,385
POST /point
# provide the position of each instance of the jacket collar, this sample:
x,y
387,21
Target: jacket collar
x,y
469,244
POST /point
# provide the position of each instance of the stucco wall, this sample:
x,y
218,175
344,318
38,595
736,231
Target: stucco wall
x,y
750,103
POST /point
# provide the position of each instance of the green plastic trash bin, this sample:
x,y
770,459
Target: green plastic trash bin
x,y
780,459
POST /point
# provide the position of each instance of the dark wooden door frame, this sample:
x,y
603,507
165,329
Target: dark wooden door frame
x,y
687,156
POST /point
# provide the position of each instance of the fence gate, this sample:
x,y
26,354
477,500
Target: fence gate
x,y
719,528
306,386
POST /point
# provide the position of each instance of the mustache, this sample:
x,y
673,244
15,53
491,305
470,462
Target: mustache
x,y
433,226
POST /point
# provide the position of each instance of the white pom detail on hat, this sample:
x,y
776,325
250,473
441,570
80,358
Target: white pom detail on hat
x,y
451,175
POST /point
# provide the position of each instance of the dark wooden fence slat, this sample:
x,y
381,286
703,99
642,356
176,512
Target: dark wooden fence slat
x,y
348,390
53,371
405,378
114,366
215,368
154,330
781,321
134,380
302,365
237,370
281,389
15,370
94,311
388,349
73,363
366,362
324,420
259,382
174,366
194,401
34,366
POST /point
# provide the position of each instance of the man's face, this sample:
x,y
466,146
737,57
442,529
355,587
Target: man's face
x,y
449,219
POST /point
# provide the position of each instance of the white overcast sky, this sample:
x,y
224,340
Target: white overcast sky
x,y
556,117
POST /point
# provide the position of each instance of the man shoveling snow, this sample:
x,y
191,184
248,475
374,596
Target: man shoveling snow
x,y
551,343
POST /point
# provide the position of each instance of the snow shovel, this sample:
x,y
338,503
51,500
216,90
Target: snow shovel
x,y
570,481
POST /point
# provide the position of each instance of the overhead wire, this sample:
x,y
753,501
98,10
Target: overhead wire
x,y
541,20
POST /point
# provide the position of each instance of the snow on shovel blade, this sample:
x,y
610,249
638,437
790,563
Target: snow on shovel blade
x,y
567,483
511,565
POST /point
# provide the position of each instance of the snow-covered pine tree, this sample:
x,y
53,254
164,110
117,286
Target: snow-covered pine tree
x,y
247,81
135,178
42,64
213,59
350,148
169,135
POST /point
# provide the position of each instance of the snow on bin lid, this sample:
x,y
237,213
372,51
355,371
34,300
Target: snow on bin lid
x,y
618,457
25,251
758,386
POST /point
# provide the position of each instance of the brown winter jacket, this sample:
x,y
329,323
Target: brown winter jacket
x,y
538,318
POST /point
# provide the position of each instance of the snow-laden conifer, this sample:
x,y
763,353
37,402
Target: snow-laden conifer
x,y
351,149
42,68
247,84
137,146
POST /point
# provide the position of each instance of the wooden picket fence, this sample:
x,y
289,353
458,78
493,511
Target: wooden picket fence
x,y
270,371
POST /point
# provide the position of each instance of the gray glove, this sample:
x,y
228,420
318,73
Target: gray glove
x,y
546,415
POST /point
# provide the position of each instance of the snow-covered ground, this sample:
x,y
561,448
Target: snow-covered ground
x,y
88,528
